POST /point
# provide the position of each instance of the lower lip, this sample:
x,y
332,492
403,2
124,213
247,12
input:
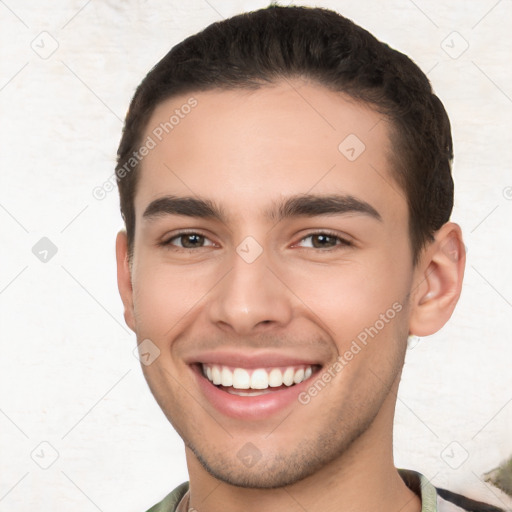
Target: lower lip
x,y
249,407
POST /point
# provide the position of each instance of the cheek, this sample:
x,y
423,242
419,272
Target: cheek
x,y
164,295
350,298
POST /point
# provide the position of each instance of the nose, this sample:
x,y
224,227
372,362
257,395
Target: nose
x,y
250,297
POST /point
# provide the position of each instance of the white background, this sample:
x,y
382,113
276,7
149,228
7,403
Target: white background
x,y
68,376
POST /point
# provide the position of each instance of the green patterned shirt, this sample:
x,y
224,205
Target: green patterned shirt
x,y
432,499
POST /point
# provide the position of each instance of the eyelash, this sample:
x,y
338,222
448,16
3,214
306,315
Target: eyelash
x,y
167,243
343,242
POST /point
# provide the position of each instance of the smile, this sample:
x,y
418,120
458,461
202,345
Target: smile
x,y
253,391
234,379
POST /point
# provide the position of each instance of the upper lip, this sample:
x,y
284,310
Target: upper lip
x,y
256,359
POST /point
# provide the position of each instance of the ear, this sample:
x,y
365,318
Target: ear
x,y
437,281
124,280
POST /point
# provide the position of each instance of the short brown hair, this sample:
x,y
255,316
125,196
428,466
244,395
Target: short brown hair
x,y
255,49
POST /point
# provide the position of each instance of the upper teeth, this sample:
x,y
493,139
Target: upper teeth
x,y
260,378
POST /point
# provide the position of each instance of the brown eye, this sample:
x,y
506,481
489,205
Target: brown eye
x,y
187,241
320,241
192,240
325,240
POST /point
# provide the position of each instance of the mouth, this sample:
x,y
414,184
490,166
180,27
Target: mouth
x,y
253,393
255,382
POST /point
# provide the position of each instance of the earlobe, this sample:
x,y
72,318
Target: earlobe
x,y
124,281
438,281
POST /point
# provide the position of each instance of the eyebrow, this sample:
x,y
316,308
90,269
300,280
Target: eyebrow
x,y
303,205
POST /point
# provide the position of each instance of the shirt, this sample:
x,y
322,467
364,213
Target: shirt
x,y
432,499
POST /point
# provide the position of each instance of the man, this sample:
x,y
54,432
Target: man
x,y
285,181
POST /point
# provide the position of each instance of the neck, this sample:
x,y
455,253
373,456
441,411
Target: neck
x,y
362,478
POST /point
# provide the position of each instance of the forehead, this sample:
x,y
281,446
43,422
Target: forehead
x,y
245,149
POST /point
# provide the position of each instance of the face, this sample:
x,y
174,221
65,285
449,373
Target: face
x,y
271,257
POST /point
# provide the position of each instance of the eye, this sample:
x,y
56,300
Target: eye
x,y
325,240
187,240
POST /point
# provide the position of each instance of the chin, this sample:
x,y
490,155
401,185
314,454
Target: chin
x,y
281,474
277,470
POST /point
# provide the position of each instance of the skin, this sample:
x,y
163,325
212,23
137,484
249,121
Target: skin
x,y
246,150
